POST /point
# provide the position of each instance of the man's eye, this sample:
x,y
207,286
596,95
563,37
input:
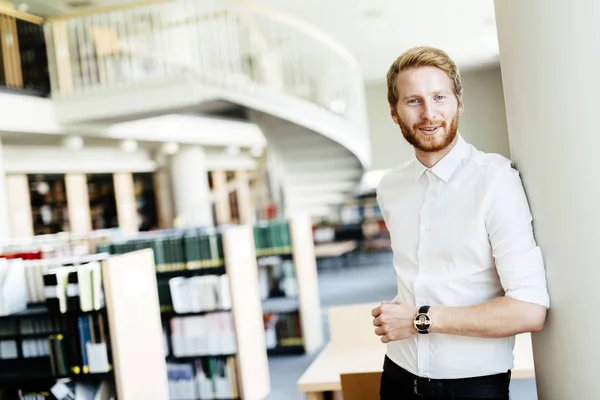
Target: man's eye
x,y
413,101
440,97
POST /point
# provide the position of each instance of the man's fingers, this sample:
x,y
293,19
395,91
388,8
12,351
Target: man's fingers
x,y
377,321
376,311
379,331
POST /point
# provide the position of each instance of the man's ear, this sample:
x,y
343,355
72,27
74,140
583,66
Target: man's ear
x,y
461,105
394,115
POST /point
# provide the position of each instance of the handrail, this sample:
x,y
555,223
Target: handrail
x,y
303,27
235,44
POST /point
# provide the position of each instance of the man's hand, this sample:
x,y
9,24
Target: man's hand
x,y
394,321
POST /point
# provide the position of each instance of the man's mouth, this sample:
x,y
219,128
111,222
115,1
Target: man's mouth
x,y
429,130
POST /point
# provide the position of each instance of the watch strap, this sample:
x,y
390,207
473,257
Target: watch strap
x,y
424,309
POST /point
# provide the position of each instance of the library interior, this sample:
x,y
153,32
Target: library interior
x,y
188,190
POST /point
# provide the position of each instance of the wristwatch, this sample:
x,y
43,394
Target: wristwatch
x,y
423,321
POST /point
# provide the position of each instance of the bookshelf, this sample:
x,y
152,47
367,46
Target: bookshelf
x,y
211,316
289,286
99,332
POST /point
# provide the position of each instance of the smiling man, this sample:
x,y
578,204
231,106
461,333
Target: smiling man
x,y
470,274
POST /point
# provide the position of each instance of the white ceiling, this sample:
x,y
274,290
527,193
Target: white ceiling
x,y
375,31
378,31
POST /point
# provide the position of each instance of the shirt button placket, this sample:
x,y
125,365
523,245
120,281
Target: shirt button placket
x,y
420,293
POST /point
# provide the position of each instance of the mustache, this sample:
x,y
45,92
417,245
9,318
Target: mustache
x,y
420,125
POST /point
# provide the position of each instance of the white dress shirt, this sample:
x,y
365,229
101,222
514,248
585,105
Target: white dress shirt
x,y
461,233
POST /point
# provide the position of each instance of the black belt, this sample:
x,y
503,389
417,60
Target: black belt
x,y
482,387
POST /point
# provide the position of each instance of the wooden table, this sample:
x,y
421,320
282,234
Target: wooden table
x,y
323,375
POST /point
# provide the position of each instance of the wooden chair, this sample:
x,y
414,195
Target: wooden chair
x,y
361,386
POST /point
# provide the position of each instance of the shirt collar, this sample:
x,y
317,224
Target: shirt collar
x,y
447,165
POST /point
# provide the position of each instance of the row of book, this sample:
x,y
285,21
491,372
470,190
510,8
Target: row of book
x,y
175,250
211,378
84,348
73,289
272,237
28,326
282,330
206,335
199,293
35,342
277,279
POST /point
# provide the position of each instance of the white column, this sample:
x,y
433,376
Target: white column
x,y
4,212
79,203
126,204
191,193
550,69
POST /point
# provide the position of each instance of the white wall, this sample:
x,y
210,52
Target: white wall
x,y
483,123
19,113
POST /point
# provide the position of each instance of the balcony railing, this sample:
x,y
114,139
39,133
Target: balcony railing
x,y
234,44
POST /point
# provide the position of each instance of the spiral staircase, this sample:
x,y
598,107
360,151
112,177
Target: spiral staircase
x,y
304,90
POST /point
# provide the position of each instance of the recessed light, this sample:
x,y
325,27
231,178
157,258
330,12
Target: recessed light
x,y
232,150
73,142
129,145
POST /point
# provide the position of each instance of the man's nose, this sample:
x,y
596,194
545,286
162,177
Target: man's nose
x,y
427,112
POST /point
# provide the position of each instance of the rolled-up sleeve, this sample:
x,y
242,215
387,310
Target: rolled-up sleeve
x,y
518,259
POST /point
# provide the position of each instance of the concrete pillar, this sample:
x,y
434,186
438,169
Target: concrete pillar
x,y
78,202
126,204
4,212
19,206
191,194
550,69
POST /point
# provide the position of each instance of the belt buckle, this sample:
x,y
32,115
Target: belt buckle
x,y
424,387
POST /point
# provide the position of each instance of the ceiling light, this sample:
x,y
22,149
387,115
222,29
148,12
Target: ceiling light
x,y
129,145
73,142
170,148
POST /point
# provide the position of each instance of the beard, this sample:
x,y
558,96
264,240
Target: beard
x,y
430,144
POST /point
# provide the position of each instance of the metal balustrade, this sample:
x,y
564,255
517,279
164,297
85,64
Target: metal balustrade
x,y
237,45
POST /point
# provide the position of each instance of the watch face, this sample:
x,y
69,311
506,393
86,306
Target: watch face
x,y
422,321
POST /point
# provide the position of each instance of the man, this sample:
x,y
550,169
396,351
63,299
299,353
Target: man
x,y
470,274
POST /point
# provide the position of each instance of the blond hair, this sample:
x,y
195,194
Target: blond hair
x,y
418,57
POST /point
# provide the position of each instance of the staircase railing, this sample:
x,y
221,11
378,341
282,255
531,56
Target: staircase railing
x,y
234,44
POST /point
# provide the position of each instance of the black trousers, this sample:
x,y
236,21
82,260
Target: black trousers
x,y
399,384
